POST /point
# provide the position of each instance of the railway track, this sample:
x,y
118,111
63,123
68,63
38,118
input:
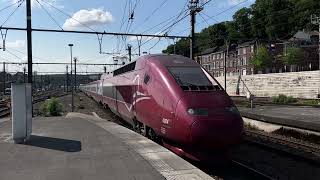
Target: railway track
x,y
37,97
295,149
254,172
4,111
232,170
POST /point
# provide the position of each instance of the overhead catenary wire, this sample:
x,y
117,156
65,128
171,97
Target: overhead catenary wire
x,y
12,13
13,54
51,17
170,19
7,7
210,17
168,29
205,19
153,12
164,30
66,14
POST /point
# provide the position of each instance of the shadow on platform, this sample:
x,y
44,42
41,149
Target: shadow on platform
x,y
54,143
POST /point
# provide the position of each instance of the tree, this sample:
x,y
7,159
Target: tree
x,y
294,56
218,34
182,48
271,19
302,11
242,22
264,20
262,59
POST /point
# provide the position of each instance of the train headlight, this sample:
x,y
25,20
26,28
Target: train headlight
x,y
233,109
198,111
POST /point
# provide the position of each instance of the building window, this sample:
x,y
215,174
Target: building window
x,y
245,60
252,48
244,50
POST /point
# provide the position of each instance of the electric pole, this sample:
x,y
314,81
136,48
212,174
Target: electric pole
x,y
316,20
24,75
34,80
194,9
139,44
75,74
4,78
67,80
226,55
41,82
29,40
174,46
129,51
72,100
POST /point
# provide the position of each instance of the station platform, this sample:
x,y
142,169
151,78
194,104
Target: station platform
x,y
80,146
303,117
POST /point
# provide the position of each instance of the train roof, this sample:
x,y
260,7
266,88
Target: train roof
x,y
172,60
163,59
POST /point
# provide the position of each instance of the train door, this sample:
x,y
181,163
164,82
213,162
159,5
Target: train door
x,y
167,115
115,98
135,90
141,98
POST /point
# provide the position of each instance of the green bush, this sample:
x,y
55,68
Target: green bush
x,y
283,99
51,107
311,102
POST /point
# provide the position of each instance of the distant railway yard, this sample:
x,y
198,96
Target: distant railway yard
x,y
279,154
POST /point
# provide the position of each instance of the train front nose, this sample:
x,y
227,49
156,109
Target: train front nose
x,y
213,120
218,130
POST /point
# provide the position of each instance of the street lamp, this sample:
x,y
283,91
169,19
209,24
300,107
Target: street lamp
x,y
72,100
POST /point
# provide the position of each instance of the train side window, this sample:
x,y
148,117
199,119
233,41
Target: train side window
x,y
146,78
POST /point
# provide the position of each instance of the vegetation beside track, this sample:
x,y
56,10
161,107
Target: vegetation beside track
x,y
51,107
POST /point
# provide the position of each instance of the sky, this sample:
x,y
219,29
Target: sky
x,y
99,16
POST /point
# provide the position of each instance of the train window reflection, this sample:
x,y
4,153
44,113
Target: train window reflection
x,y
190,76
146,79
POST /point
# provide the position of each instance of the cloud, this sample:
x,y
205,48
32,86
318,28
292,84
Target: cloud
x,y
89,18
15,44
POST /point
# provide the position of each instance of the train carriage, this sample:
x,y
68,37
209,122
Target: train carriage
x,y
172,98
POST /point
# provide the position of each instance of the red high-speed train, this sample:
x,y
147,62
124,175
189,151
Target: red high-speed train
x,y
172,98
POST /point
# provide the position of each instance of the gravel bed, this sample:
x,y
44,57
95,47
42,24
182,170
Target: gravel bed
x,y
275,164
84,104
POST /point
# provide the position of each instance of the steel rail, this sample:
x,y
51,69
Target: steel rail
x,y
284,141
254,171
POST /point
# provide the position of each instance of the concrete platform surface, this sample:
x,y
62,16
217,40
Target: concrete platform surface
x,y
295,116
86,147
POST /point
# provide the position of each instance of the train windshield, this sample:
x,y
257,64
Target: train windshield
x,y
192,77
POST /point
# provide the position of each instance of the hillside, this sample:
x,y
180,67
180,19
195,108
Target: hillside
x,y
264,20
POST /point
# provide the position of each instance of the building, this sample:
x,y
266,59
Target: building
x,y
237,59
245,53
